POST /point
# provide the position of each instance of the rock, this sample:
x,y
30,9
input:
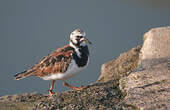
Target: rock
x,y
156,47
121,85
98,96
121,67
149,87
156,43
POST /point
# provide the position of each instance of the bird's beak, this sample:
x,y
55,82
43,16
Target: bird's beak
x,y
86,40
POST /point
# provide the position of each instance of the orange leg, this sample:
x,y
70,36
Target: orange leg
x,y
51,88
74,88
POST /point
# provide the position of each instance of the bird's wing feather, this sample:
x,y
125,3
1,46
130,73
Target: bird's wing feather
x,y
56,62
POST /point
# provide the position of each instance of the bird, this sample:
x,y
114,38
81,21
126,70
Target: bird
x,y
63,63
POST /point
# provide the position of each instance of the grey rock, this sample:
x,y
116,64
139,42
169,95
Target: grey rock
x,y
100,96
137,79
121,67
149,86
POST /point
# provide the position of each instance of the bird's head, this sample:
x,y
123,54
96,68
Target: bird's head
x,y
78,39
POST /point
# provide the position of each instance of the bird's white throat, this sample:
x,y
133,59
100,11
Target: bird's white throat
x,y
76,49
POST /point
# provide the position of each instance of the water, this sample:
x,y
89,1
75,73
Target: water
x,y
30,30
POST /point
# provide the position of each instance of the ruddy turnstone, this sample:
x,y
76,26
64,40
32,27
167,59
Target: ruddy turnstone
x,y
62,63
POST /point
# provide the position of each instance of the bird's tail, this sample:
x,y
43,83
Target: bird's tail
x,y
24,74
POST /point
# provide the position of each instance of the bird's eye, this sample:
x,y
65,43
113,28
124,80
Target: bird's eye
x,y
79,37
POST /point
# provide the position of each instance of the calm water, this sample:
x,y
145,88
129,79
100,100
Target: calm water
x,y
29,30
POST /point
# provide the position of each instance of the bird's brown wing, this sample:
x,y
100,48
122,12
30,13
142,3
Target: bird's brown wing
x,y
56,62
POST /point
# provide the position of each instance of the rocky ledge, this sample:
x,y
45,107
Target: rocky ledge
x,y
149,86
137,79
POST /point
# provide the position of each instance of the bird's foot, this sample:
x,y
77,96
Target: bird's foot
x,y
73,87
79,88
51,92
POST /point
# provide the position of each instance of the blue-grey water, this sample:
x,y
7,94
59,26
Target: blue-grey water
x,y
31,29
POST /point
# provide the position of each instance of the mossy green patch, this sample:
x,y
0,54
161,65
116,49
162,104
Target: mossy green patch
x,y
16,106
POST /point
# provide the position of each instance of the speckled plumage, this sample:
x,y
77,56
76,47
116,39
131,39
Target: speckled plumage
x,y
62,63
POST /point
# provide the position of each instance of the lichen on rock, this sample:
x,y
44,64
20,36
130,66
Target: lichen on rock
x,y
121,67
98,96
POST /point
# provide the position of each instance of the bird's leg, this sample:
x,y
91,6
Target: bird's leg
x,y
74,88
51,88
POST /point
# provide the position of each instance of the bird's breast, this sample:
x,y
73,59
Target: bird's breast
x,y
72,70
